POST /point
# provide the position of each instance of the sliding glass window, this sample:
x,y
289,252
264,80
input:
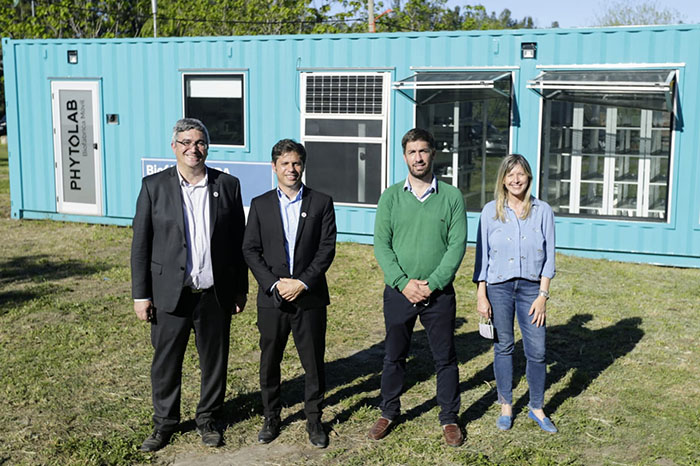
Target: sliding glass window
x,y
468,112
606,142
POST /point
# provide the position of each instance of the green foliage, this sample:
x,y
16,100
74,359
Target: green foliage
x,y
236,17
122,18
74,19
179,18
635,12
419,15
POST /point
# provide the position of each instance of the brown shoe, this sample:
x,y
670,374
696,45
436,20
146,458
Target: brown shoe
x,y
453,435
379,429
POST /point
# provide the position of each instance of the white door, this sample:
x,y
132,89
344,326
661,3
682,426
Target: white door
x,y
77,136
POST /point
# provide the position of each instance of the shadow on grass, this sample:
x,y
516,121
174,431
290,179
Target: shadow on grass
x,y
40,269
43,267
13,298
570,347
587,353
360,374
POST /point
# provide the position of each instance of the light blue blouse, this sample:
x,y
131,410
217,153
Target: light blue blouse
x,y
515,248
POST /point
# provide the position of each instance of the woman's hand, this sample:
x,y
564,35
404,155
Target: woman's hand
x,y
483,306
538,311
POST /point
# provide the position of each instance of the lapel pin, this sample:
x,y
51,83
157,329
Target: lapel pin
x,y
303,215
216,194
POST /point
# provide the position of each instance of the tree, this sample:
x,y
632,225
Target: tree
x,y
435,15
635,12
39,19
237,17
73,18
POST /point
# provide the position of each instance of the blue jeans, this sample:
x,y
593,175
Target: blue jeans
x,y
509,299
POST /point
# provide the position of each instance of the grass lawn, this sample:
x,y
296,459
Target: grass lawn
x,y
623,384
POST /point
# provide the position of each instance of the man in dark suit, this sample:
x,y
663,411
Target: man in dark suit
x,y
188,272
289,244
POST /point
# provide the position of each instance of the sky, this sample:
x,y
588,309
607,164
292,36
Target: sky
x,y
573,13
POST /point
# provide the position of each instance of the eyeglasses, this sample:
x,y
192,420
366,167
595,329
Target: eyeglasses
x,y
201,145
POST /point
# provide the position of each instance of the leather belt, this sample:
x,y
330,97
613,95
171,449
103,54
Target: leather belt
x,y
196,290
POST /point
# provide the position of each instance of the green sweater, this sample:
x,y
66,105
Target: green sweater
x,y
420,240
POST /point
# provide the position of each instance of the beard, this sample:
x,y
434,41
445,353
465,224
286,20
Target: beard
x,y
422,172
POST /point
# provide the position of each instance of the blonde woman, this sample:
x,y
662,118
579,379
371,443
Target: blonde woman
x,y
513,269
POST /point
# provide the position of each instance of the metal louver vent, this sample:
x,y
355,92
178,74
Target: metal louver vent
x,y
344,94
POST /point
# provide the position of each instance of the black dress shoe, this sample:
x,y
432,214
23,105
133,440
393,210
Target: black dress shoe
x,y
157,440
317,434
270,430
211,437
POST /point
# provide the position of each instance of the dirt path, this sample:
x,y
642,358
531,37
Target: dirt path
x,y
262,455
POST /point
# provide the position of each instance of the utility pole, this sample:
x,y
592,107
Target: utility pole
x,y
370,15
154,9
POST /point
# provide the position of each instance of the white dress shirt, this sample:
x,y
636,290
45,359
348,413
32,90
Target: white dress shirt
x,y
195,204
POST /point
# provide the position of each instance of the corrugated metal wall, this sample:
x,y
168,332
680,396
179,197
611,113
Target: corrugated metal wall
x,y
141,81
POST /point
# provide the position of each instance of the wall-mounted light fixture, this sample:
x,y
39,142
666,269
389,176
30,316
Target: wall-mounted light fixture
x,y
73,57
528,50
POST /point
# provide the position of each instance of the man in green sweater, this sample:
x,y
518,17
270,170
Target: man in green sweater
x,y
420,235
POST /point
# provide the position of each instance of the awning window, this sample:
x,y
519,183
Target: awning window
x,y
454,86
648,89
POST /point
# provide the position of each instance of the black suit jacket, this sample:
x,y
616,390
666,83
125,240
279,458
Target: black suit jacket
x,y
264,251
159,246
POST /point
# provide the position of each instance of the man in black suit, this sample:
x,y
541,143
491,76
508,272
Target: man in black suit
x,y
289,245
188,272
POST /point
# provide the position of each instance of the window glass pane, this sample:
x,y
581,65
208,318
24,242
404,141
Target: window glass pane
x,y
591,197
660,141
593,115
470,77
627,169
558,192
358,128
350,172
627,141
217,100
625,199
648,89
605,161
619,78
592,168
593,141
657,201
471,138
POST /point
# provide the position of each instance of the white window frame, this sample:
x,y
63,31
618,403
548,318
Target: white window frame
x,y
383,117
643,186
243,73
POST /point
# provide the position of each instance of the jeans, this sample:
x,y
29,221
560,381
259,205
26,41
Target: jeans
x,y
509,299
